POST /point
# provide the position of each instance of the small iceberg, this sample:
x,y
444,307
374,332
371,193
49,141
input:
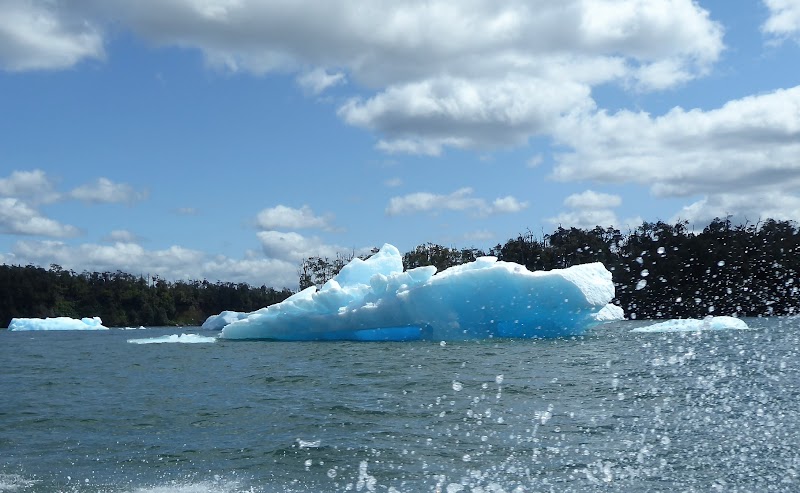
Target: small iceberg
x,y
175,338
695,325
56,323
218,322
376,300
609,313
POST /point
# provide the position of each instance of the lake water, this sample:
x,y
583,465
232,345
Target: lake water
x,y
612,411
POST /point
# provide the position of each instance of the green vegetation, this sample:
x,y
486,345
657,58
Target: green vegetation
x,y
120,299
660,271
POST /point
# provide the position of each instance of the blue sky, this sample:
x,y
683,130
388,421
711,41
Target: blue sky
x,y
230,139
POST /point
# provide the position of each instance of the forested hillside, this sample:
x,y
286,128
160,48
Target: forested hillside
x,y
660,271
122,299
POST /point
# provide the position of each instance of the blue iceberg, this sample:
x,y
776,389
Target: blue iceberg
x,y
56,323
175,338
695,325
217,322
375,300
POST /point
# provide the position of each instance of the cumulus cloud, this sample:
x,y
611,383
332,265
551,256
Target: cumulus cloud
x,y
745,145
34,185
506,205
589,209
318,80
593,200
784,19
742,208
438,74
174,262
17,217
284,217
294,247
37,35
121,236
106,191
422,117
460,200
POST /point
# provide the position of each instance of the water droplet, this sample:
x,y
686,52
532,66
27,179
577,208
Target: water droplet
x,y
498,379
457,386
641,284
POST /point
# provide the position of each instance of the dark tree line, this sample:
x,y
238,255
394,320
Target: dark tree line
x,y
120,299
659,270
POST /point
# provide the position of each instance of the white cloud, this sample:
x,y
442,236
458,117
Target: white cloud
x,y
460,200
589,209
506,205
106,191
284,217
748,145
172,263
294,247
585,218
34,185
122,236
784,19
590,199
318,80
423,117
38,35
187,211
438,74
743,208
17,217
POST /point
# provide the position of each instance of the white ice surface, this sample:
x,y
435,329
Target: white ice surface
x,y
175,338
217,322
695,325
56,323
610,313
375,299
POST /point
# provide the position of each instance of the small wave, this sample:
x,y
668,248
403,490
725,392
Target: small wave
x,y
14,482
175,338
211,486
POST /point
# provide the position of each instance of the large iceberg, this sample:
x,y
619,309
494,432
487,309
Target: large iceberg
x,y
56,323
376,300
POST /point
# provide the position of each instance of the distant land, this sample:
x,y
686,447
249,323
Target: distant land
x,y
660,271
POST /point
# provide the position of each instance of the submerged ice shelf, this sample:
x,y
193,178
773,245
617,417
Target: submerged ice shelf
x,y
376,300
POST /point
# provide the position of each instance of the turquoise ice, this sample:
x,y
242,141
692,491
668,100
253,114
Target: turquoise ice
x,y
376,300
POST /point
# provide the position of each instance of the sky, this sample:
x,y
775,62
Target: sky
x,y
230,139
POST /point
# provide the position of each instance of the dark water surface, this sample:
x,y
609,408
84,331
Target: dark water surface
x,y
613,411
